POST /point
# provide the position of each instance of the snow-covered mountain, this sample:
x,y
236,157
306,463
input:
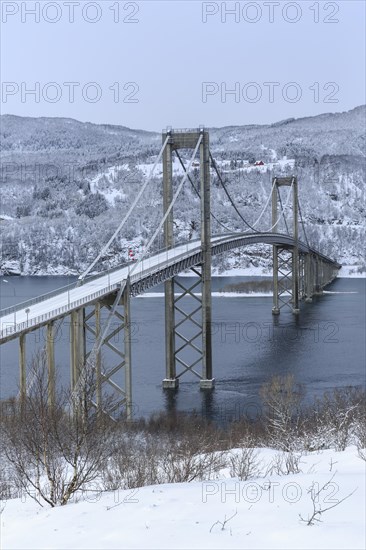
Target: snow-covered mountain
x,y
65,185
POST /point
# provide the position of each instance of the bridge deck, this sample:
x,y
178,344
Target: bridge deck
x,y
151,271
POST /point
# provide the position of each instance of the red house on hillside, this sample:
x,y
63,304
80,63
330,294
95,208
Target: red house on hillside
x,y
259,163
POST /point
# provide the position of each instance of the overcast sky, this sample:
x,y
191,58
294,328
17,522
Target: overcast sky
x,y
151,64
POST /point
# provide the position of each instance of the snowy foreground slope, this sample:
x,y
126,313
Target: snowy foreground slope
x,y
184,515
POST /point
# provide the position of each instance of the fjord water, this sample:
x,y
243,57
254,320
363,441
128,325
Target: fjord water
x,y
324,347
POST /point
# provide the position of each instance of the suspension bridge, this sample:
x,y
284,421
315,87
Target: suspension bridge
x,y
300,271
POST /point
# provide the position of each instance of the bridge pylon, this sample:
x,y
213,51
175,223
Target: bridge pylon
x,y
188,332
297,274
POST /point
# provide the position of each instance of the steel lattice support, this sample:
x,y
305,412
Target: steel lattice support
x,y
286,264
302,275
116,340
188,140
188,329
50,355
77,345
22,368
282,275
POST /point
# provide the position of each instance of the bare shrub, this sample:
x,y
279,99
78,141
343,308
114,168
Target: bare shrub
x,y
315,492
359,427
181,462
53,452
244,463
361,453
337,420
285,464
178,456
8,488
282,398
223,523
135,463
240,432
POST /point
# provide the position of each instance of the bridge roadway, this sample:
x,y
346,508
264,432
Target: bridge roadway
x,y
151,271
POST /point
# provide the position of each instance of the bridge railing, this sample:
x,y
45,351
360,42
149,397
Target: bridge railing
x,y
36,300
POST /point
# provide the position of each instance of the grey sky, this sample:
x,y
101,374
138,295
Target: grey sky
x,y
169,52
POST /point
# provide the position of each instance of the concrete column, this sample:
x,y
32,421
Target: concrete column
x,y
22,368
127,350
295,252
50,353
302,277
207,381
308,278
275,308
170,381
318,276
98,363
73,354
77,339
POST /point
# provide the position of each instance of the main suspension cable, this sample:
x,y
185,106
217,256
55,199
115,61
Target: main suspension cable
x,y
229,197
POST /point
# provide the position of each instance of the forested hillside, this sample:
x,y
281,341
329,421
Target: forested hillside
x,y
65,186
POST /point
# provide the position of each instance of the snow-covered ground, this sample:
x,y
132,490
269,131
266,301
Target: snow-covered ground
x,y
350,271
265,512
347,271
279,164
110,174
251,271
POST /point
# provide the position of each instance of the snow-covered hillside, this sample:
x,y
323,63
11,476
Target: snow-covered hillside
x,y
65,185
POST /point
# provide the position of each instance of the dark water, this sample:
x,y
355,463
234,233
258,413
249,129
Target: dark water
x,y
324,347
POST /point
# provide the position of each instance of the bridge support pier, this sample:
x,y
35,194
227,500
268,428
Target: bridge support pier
x,y
207,381
309,278
190,327
127,351
22,367
98,362
171,381
50,353
275,308
295,281
77,340
283,287
318,277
